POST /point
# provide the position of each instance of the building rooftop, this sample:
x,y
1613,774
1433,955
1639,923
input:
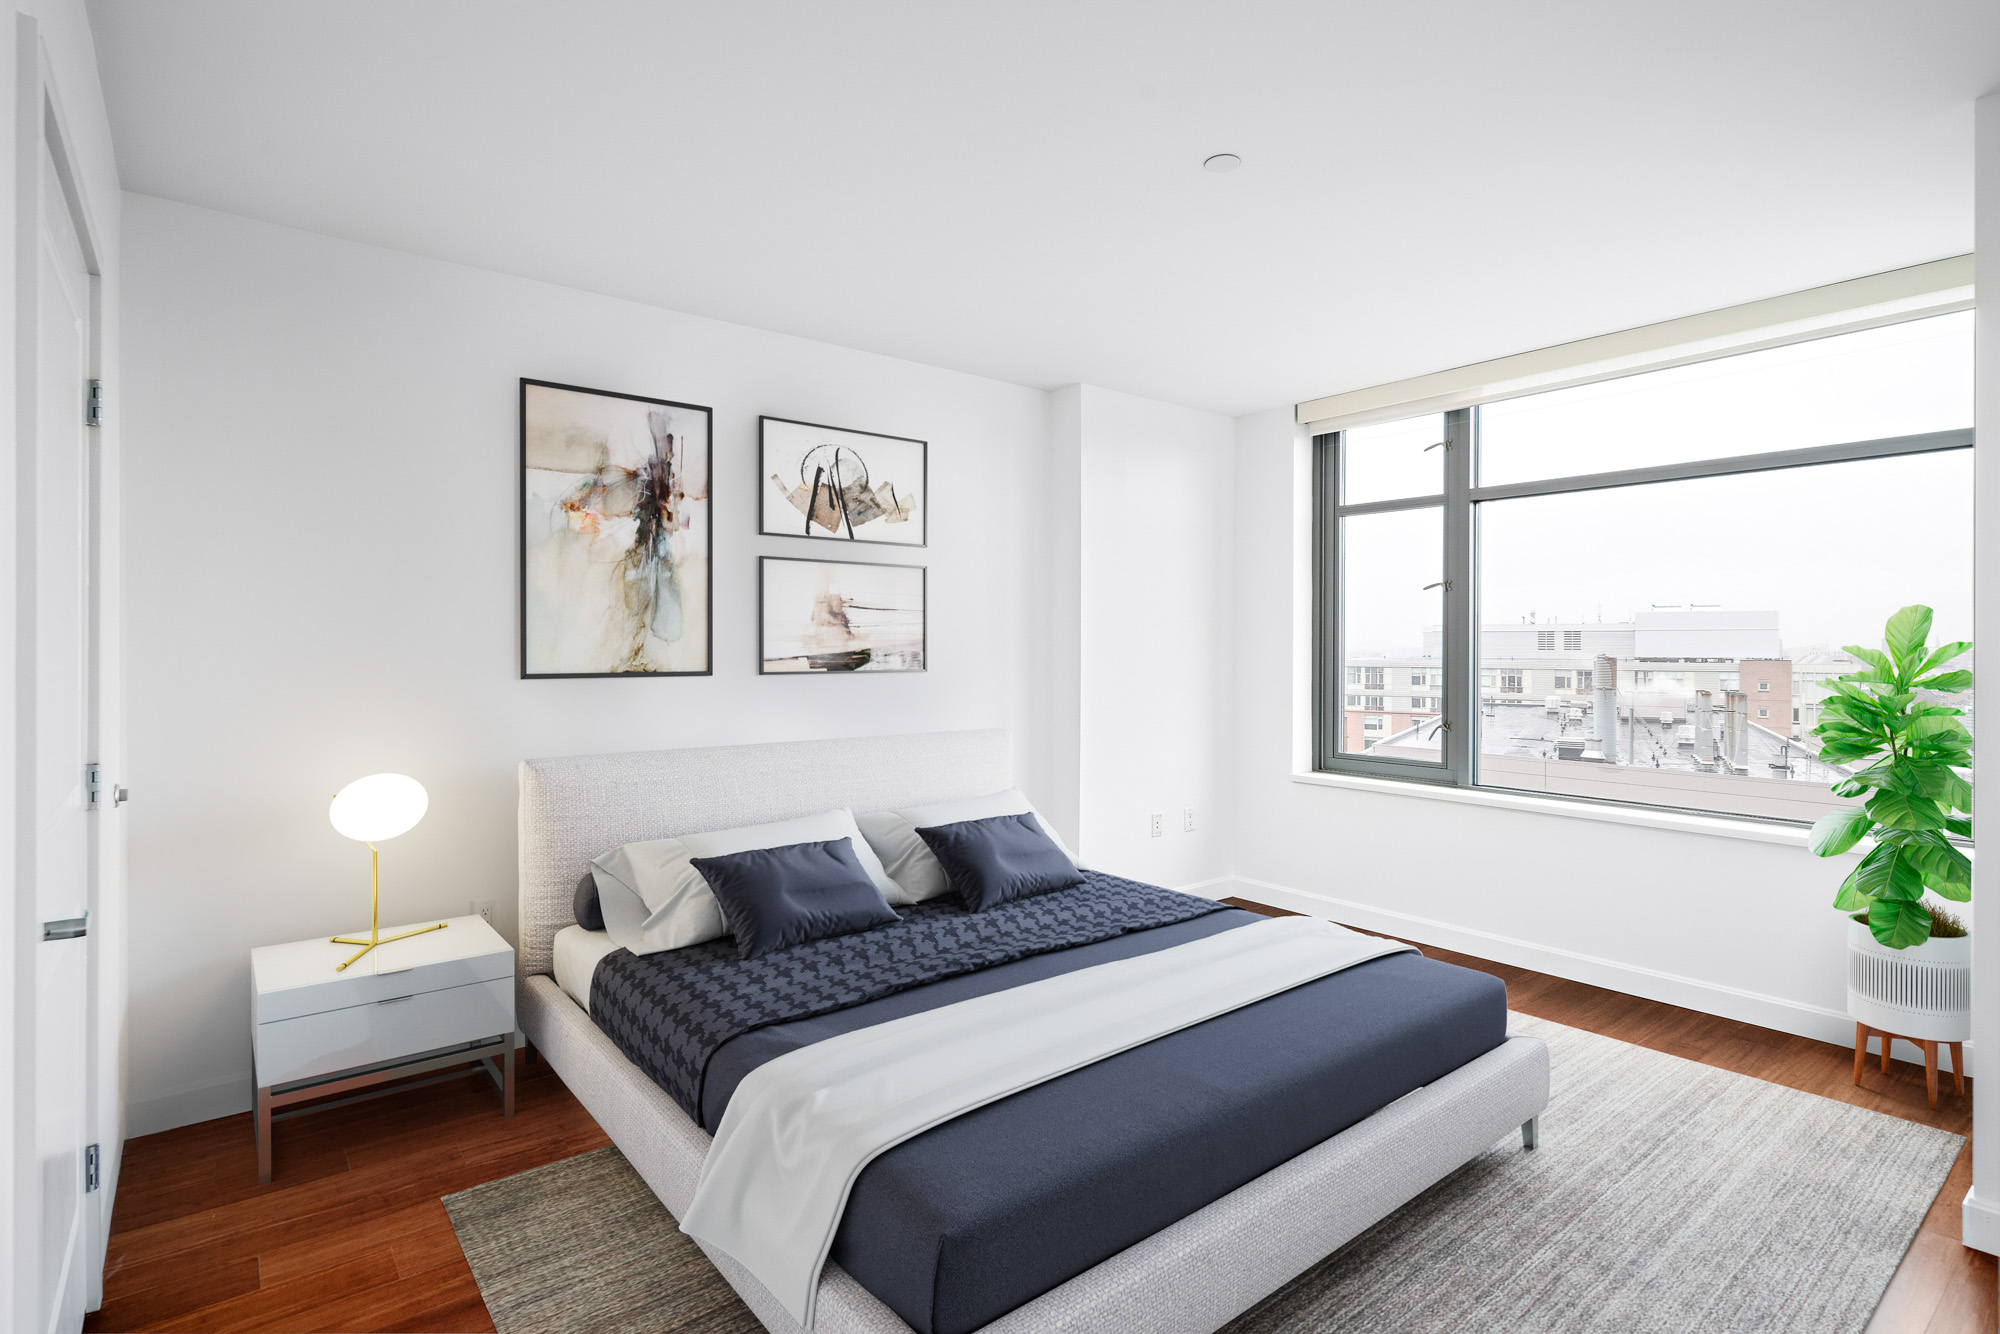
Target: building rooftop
x,y
1531,732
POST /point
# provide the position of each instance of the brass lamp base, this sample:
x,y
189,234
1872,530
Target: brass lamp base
x,y
370,944
375,936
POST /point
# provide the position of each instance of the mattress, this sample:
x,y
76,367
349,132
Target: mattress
x,y
577,954
956,1227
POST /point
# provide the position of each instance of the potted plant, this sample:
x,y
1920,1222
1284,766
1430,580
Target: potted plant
x,y
1909,962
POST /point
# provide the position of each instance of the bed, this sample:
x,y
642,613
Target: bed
x,y
1170,1187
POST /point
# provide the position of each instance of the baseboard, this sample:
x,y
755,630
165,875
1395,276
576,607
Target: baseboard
x,y
184,1107
1750,1007
1980,1223
1206,888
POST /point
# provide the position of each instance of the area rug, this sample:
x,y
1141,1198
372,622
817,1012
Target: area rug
x,y
1667,1196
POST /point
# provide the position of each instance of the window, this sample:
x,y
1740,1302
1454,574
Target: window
x,y
1371,702
1374,676
1451,553
1354,676
1418,677
1354,701
1374,723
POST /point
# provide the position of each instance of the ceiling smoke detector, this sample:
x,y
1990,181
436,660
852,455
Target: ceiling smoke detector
x,y
1221,162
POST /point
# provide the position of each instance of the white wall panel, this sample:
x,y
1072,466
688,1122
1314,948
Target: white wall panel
x,y
321,543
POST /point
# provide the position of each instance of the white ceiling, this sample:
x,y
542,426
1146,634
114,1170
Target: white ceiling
x,y
1014,187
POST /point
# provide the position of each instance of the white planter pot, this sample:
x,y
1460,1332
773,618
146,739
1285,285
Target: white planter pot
x,y
1921,992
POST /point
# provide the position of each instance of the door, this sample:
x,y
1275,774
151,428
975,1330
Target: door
x,y
61,523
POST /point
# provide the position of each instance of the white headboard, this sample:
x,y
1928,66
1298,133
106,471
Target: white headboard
x,y
574,808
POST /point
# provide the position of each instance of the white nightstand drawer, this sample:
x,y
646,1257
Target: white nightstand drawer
x,y
317,1044
301,978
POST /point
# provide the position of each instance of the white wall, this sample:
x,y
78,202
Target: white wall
x,y
1061,674
322,564
1156,483
1734,927
1981,1216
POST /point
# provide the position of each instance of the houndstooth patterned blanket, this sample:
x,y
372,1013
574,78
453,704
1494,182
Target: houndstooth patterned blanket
x,y
670,1012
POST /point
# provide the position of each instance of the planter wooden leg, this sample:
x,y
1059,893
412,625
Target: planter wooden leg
x,y
1930,1070
1958,1067
1887,1042
1860,1049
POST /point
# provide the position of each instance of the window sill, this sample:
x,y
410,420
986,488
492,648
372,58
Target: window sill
x,y
1717,826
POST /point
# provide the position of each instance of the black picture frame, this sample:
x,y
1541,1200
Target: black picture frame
x,y
764,564
804,527
524,610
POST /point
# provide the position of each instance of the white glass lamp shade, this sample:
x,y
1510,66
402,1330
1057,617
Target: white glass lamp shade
x,y
379,806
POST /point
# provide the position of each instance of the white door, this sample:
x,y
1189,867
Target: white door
x,y
61,518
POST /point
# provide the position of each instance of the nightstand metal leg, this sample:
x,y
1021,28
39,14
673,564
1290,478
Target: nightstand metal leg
x,y
263,1115
1531,1132
507,1079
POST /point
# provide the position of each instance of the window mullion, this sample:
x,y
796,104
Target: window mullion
x,y
1461,701
1329,668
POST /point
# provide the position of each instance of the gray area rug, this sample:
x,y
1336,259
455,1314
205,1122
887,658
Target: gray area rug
x,y
1667,1196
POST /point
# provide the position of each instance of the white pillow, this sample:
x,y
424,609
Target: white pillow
x,y
908,859
653,899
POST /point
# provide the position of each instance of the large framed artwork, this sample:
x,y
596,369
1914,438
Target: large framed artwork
x,y
615,534
840,616
847,486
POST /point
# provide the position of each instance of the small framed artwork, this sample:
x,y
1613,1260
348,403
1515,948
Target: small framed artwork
x,y
824,616
615,534
846,486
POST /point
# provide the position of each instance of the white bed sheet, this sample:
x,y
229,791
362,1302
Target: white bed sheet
x,y
577,953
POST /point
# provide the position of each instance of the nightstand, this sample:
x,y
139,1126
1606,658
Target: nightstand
x,y
440,999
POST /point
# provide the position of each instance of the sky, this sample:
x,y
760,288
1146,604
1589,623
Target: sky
x,y
1834,549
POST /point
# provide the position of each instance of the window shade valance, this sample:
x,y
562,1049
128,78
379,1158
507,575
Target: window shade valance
x,y
1922,289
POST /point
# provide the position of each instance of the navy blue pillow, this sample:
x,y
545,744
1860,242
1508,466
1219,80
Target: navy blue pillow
x,y
776,897
999,859
589,912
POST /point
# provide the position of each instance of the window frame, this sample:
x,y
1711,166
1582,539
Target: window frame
x,y
1460,501
1328,722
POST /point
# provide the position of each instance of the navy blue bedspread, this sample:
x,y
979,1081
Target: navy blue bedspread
x,y
954,1228
670,1012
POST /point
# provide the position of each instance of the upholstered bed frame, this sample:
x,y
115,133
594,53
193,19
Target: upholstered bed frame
x,y
1193,1277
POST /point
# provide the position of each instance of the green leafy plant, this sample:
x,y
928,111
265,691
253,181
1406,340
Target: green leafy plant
x,y
1914,794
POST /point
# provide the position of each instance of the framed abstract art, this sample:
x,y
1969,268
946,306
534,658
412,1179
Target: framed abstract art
x,y
840,485
830,616
616,536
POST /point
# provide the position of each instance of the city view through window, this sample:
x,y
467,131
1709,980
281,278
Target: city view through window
x,y
1669,641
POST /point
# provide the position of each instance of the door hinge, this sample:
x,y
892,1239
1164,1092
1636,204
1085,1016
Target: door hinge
x,y
92,784
90,1177
93,404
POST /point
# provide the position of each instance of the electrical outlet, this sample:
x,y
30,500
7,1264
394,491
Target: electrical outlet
x,y
1159,823
1187,820
483,908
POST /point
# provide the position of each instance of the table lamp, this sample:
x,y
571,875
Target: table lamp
x,y
369,810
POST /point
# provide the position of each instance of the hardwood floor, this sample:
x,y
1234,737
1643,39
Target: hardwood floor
x,y
351,1233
